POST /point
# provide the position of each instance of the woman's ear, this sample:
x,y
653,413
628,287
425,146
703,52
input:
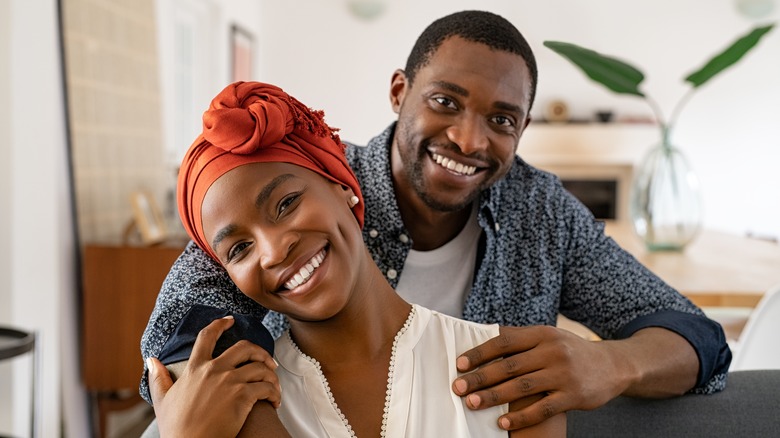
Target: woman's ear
x,y
352,199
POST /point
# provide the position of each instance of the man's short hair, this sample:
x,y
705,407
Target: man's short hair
x,y
481,27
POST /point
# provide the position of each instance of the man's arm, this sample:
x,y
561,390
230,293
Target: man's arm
x,y
193,279
234,392
662,345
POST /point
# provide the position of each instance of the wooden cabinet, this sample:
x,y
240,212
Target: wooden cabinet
x,y
120,286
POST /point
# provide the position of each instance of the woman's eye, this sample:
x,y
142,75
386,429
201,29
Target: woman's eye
x,y
236,251
288,201
445,101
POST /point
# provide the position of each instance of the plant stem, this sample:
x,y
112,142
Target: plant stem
x,y
678,108
659,116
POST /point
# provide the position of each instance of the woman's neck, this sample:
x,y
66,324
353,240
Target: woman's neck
x,y
362,331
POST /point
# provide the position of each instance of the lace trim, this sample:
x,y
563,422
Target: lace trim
x,y
390,374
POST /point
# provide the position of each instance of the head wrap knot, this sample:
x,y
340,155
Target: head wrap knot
x,y
252,122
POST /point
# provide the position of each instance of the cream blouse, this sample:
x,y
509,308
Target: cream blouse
x,y
420,402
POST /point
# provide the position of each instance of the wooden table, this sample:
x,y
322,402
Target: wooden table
x,y
724,274
715,270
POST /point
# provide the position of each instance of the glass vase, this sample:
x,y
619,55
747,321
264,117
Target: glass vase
x,y
665,205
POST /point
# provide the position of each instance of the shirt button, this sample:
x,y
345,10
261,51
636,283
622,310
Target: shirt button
x,y
498,227
392,273
403,238
373,233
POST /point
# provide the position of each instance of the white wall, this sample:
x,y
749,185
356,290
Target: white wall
x,y
40,249
334,61
5,211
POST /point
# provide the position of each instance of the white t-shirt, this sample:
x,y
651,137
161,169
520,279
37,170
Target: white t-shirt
x,y
421,404
441,279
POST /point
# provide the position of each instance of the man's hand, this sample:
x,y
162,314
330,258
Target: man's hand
x,y
213,397
571,372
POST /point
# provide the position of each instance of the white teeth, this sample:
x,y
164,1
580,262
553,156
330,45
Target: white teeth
x,y
303,275
453,165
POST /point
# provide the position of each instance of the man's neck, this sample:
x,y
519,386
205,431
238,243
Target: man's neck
x,y
428,228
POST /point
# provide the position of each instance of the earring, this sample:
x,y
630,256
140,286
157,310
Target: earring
x,y
353,201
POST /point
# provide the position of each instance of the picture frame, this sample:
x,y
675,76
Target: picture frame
x,y
148,218
241,47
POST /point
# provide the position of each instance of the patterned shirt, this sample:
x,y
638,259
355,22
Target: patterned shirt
x,y
541,253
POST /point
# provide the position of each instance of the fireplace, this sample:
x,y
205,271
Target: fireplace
x,y
595,161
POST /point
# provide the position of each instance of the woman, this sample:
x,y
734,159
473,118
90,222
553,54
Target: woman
x,y
266,191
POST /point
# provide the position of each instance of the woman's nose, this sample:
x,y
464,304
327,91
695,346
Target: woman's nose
x,y
275,247
470,134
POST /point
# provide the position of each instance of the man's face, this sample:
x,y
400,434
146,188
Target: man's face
x,y
459,123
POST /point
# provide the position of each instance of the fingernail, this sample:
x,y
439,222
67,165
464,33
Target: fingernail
x,y
462,363
228,317
277,363
150,365
461,386
474,400
504,423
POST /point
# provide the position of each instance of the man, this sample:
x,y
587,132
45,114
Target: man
x,y
452,211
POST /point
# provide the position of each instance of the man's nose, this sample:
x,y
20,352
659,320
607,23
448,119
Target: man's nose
x,y
470,134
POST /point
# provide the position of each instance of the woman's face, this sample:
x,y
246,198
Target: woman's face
x,y
286,236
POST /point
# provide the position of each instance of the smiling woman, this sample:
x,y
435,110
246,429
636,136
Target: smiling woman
x,y
266,191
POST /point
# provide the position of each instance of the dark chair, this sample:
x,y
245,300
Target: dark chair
x,y
748,407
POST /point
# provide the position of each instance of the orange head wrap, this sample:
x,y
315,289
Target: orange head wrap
x,y
252,122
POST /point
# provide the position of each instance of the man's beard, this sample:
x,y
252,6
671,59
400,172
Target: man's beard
x,y
414,171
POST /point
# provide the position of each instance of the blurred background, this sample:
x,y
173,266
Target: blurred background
x,y
100,99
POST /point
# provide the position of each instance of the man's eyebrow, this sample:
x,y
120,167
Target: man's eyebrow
x,y
259,201
506,106
457,89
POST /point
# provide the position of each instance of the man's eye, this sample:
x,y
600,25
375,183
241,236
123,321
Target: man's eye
x,y
237,251
445,101
503,121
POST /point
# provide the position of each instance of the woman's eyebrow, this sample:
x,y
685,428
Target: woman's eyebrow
x,y
222,234
269,188
259,201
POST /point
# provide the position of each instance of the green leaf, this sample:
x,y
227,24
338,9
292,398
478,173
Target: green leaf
x,y
612,73
728,57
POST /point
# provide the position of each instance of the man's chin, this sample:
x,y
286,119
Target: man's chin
x,y
448,205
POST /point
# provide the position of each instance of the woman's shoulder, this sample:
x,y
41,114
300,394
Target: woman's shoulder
x,y
464,333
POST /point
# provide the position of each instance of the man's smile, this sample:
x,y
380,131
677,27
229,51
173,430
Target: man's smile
x,y
452,165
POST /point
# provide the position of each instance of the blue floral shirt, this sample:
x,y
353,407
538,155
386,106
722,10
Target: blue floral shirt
x,y
541,253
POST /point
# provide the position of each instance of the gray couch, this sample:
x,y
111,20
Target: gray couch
x,y
748,407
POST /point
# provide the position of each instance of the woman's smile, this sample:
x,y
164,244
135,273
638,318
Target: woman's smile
x,y
305,273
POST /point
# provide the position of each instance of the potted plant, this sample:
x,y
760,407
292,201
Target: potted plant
x,y
665,202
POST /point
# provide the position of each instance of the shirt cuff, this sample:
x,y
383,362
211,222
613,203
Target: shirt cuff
x,y
705,336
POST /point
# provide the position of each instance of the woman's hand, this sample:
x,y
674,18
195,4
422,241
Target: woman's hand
x,y
213,397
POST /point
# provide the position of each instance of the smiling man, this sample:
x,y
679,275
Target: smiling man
x,y
460,224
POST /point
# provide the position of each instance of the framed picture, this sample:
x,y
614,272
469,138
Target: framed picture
x,y
240,54
148,218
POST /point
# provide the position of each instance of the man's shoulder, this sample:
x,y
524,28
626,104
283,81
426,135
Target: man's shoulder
x,y
193,264
526,182
197,278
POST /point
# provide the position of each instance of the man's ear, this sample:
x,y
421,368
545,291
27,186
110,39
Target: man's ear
x,y
398,87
